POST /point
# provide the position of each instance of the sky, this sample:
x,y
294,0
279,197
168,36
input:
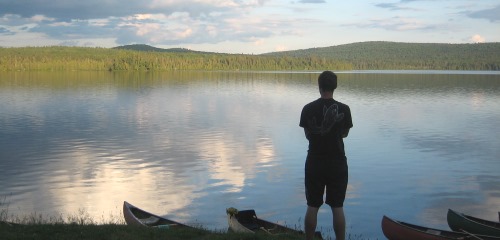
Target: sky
x,y
245,26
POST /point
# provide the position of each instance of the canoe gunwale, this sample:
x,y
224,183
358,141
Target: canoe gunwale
x,y
246,221
130,213
398,230
458,221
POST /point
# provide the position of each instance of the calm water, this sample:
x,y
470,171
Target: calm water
x,y
188,145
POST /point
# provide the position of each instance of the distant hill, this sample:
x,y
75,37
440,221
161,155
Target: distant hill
x,y
384,55
397,55
147,48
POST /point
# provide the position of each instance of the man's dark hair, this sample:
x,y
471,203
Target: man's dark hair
x,y
327,81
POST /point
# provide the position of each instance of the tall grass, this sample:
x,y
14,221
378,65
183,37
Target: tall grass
x,y
4,209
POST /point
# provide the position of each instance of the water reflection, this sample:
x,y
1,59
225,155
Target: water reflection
x,y
187,145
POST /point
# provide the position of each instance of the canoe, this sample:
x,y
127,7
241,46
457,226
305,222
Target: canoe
x,y
10,224
397,230
246,221
461,222
135,216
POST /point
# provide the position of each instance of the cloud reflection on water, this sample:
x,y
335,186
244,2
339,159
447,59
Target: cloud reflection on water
x,y
188,145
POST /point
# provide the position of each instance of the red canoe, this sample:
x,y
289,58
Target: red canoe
x,y
397,230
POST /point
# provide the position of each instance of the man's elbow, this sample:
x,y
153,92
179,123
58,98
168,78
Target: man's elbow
x,y
345,134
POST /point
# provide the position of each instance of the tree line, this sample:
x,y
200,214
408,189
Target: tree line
x,y
357,56
409,56
81,59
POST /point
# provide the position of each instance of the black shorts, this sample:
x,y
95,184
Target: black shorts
x,y
323,173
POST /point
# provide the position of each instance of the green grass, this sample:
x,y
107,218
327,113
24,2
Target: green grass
x,y
117,231
81,226
35,227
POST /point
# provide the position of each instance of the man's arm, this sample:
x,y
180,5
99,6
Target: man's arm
x,y
307,133
348,124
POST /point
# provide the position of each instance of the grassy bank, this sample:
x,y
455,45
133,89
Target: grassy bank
x,y
117,231
9,231
82,226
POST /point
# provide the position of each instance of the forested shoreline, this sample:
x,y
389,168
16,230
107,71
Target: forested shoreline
x,y
101,59
356,56
409,56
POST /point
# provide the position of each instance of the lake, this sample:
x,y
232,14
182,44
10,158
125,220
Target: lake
x,y
188,145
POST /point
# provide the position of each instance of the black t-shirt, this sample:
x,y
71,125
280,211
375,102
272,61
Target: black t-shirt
x,y
326,120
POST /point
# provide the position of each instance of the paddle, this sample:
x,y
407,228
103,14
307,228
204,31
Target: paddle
x,y
470,234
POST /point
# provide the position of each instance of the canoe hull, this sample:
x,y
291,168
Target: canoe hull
x,y
462,222
135,216
246,221
236,226
397,230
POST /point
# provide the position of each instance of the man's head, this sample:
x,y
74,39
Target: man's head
x,y
327,81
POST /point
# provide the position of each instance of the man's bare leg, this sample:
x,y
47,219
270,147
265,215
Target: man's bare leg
x,y
339,223
310,222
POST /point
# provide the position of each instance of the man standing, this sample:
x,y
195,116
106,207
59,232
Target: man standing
x,y
326,122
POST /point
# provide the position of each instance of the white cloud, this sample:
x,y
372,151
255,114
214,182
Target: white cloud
x,y
281,48
477,39
211,30
186,33
258,42
312,1
147,28
249,25
39,18
145,16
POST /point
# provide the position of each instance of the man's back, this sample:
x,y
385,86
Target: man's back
x,y
325,121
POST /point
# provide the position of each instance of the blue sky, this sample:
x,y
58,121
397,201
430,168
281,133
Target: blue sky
x,y
245,26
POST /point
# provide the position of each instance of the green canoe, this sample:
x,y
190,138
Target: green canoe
x,y
464,223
